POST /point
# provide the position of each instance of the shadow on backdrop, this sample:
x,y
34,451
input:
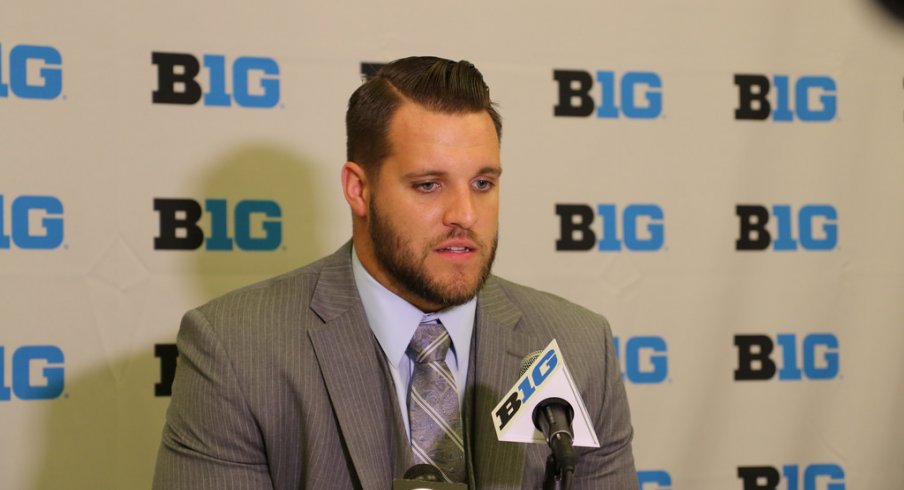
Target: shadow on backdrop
x,y
105,430
260,172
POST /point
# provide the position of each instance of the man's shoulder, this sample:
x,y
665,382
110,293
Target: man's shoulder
x,y
293,289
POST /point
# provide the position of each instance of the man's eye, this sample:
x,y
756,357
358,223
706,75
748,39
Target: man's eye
x,y
426,186
483,185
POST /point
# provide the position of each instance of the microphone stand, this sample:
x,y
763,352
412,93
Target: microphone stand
x,y
560,463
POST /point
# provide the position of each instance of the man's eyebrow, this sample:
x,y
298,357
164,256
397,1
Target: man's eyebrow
x,y
488,170
494,171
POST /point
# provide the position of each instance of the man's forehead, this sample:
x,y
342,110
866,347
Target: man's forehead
x,y
413,117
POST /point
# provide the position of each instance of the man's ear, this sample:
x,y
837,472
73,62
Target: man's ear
x,y
356,188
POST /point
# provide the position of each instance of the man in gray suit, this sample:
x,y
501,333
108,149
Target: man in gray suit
x,y
302,381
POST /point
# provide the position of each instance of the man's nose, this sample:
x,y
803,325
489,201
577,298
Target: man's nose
x,y
460,209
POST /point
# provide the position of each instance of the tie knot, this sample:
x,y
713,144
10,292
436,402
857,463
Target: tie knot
x,y
430,343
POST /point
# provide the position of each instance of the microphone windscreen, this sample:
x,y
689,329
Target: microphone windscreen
x,y
527,361
424,472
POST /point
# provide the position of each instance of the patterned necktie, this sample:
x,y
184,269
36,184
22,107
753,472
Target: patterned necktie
x,y
436,435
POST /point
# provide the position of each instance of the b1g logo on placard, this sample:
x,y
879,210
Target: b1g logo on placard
x,y
31,72
642,228
815,98
527,388
257,225
814,477
817,227
35,223
654,480
632,95
644,359
255,80
814,356
36,373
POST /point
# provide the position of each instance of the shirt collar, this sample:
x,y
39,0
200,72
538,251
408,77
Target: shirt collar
x,y
394,320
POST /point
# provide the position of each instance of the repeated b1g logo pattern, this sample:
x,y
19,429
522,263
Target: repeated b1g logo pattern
x,y
817,227
179,228
813,356
35,223
177,82
642,227
644,359
25,385
48,82
754,101
813,477
632,95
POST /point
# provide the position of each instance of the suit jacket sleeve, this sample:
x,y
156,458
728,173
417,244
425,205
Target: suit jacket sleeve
x,y
210,439
611,466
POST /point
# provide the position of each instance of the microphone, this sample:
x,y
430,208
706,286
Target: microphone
x,y
425,477
552,416
545,405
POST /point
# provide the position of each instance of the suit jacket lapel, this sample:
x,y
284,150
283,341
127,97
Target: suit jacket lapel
x,y
499,347
355,375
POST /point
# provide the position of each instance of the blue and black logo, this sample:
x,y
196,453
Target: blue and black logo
x,y
254,81
813,356
35,223
256,225
815,98
643,359
654,480
631,95
642,228
814,477
168,355
31,72
36,373
816,227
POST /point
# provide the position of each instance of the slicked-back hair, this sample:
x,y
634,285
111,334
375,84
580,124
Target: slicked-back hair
x,y
437,84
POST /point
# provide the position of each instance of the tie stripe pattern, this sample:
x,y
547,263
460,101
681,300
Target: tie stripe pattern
x,y
433,412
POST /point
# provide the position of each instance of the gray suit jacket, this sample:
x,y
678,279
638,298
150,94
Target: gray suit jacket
x,y
282,385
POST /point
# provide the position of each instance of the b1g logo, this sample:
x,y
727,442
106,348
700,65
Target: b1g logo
x,y
27,364
168,355
642,229
179,228
177,83
818,353
815,98
644,359
654,480
754,235
634,95
36,223
370,68
34,72
815,477
527,388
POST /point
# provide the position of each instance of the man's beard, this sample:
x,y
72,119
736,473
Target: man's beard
x,y
409,271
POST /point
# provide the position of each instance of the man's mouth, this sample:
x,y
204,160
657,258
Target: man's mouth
x,y
456,249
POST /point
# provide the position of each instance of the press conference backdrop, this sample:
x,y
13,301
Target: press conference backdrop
x,y
722,180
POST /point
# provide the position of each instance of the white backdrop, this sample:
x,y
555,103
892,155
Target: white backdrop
x,y
86,300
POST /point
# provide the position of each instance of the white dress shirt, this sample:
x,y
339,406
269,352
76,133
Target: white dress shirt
x,y
394,320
